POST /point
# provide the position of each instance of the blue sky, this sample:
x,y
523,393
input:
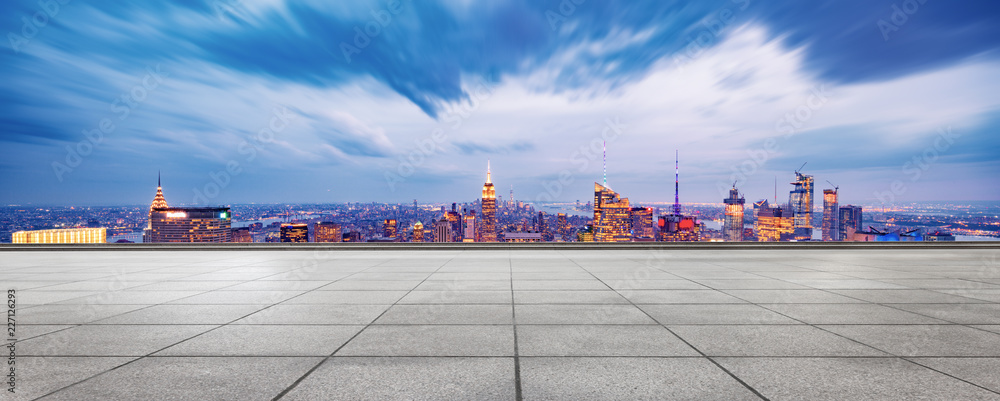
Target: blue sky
x,y
240,101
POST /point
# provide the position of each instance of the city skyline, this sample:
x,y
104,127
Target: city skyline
x,y
322,112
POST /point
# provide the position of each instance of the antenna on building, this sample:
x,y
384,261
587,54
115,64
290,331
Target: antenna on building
x,y
677,180
775,190
605,146
158,178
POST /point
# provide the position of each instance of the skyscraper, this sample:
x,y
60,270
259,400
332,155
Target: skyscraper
x,y
850,221
455,218
241,234
733,223
192,224
676,227
418,232
774,224
470,227
642,222
389,228
800,200
612,216
488,225
442,231
563,227
294,232
327,232
831,216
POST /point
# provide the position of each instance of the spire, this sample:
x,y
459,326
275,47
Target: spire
x,y
677,185
605,146
158,201
488,171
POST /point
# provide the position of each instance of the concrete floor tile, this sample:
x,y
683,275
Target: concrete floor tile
x,y
183,314
580,314
265,340
313,314
771,340
447,314
849,314
457,297
38,376
849,379
432,341
108,340
680,297
192,378
356,378
627,379
347,297
694,314
569,297
980,371
599,340
790,297
957,313
930,340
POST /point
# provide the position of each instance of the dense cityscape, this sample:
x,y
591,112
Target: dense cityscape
x,y
609,217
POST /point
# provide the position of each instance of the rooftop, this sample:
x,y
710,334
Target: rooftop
x,y
508,323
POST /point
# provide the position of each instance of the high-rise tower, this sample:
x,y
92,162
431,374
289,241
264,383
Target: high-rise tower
x,y
831,215
733,223
677,183
800,200
488,226
158,201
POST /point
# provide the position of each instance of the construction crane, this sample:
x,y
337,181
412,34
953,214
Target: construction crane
x,y
800,168
835,187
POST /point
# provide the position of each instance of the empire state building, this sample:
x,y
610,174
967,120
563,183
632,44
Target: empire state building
x,y
488,227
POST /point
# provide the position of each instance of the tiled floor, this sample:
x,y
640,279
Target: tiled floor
x,y
507,324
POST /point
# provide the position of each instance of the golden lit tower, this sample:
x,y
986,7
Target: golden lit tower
x,y
488,226
733,223
831,215
158,201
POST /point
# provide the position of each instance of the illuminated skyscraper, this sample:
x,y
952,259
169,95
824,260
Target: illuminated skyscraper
x,y
850,221
488,224
470,227
62,236
389,228
158,201
193,224
800,200
831,216
563,227
294,232
455,218
418,232
642,222
612,216
327,232
733,223
442,231
773,224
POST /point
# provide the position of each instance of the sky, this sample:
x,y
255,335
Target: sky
x,y
272,101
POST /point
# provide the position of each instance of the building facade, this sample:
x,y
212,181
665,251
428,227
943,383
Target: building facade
x,y
488,223
612,216
327,232
294,232
418,232
800,200
241,235
678,228
62,236
442,231
849,221
774,224
831,216
192,224
732,227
